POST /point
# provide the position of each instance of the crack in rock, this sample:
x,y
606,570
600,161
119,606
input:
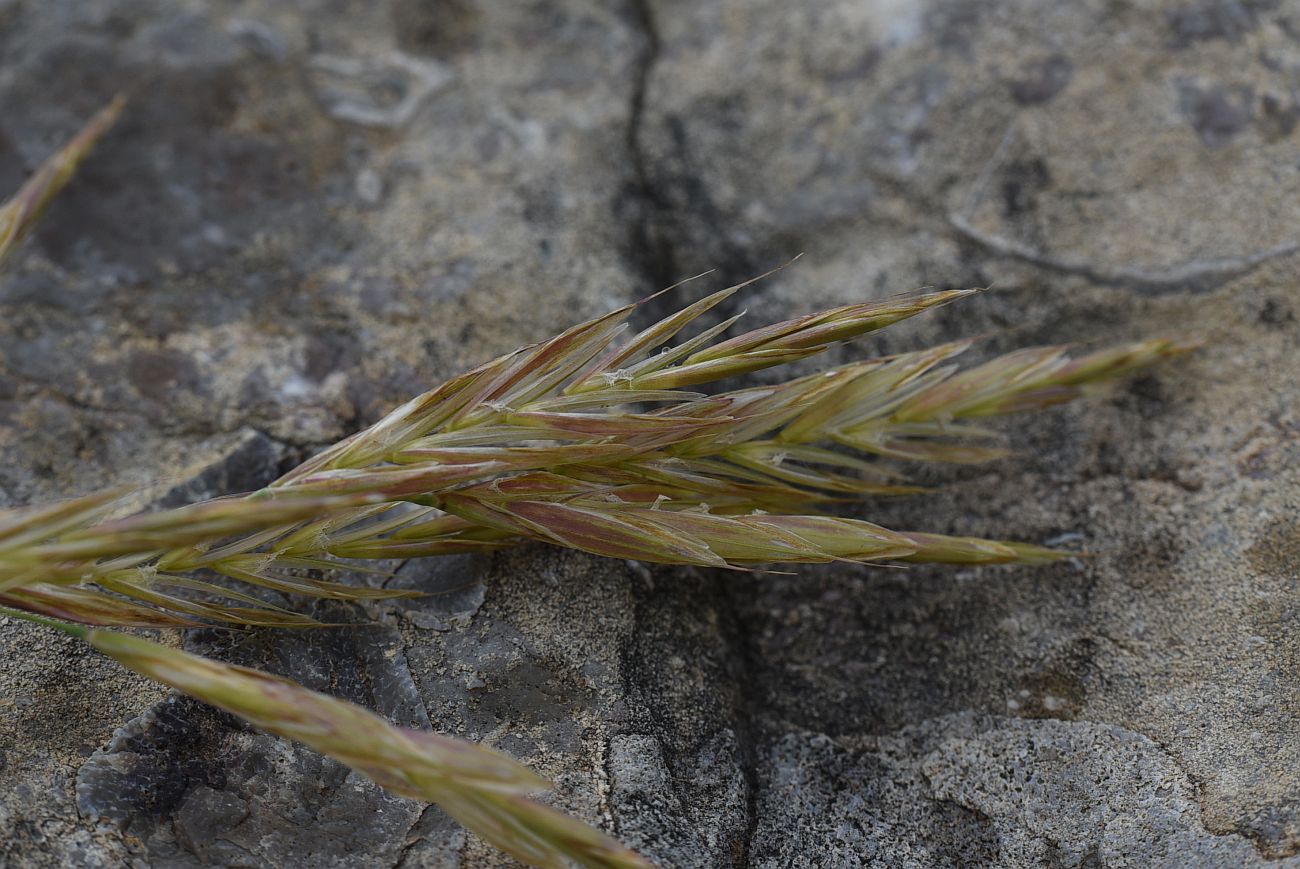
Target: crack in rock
x,y
1197,276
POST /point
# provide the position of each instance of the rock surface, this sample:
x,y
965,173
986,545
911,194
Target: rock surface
x,y
311,211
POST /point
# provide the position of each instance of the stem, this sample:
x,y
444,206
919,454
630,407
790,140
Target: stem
x,y
68,628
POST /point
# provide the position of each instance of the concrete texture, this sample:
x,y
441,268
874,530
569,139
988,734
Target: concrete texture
x,y
311,211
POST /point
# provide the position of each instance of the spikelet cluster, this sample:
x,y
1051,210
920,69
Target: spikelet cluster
x,y
590,440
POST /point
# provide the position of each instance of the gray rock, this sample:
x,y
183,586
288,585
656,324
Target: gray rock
x,y
312,211
974,790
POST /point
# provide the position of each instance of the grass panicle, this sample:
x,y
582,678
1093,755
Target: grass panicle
x,y
588,441
585,443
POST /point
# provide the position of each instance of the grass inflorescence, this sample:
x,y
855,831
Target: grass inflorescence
x,y
590,440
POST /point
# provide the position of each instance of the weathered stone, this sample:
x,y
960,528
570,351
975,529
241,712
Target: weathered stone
x,y
967,790
311,212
